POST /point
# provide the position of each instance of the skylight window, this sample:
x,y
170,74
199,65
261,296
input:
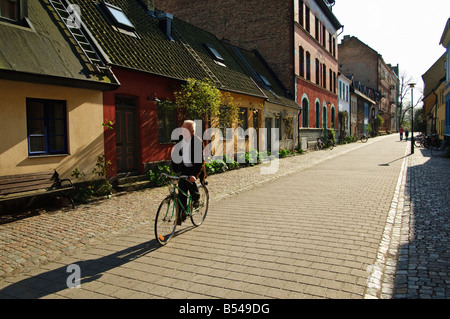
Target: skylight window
x,y
118,16
215,54
265,81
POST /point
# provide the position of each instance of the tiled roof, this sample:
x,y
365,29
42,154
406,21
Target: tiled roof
x,y
43,51
153,52
256,69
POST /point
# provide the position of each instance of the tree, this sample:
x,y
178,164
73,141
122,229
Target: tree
x,y
198,100
403,108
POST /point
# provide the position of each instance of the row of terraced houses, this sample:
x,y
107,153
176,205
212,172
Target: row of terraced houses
x,y
66,67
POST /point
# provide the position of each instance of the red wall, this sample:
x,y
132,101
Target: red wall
x,y
313,92
139,85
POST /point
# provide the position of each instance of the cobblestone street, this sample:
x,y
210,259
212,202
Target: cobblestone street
x,y
360,221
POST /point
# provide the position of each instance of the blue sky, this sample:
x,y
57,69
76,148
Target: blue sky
x,y
403,32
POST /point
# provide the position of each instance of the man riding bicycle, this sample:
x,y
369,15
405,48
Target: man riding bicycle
x,y
187,159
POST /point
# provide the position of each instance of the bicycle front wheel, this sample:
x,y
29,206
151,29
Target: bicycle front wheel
x,y
166,220
199,214
330,145
364,139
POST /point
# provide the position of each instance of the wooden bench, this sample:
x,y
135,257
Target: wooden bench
x,y
33,185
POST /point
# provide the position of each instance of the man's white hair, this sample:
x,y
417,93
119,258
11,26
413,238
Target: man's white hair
x,y
190,122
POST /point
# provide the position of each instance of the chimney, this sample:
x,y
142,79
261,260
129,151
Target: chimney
x,y
165,23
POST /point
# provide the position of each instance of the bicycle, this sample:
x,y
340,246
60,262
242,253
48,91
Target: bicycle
x,y
171,208
419,140
321,144
363,138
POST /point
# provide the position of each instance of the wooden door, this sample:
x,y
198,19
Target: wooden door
x,y
126,134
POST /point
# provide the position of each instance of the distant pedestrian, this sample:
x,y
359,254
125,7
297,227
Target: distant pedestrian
x,y
401,133
406,133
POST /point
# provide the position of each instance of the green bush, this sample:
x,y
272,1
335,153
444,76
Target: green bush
x,y
216,167
155,175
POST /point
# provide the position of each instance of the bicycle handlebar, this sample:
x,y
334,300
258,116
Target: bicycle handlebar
x,y
176,177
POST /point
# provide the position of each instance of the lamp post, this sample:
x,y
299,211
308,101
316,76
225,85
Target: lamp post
x,y
411,85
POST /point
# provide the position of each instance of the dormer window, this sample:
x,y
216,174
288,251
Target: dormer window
x,y
215,54
13,10
118,17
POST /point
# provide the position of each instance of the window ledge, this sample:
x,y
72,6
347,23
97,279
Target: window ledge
x,y
48,155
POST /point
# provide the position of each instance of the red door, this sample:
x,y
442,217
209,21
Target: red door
x,y
126,134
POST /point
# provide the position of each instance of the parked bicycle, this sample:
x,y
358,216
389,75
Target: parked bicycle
x,y
322,144
419,140
171,209
433,141
363,138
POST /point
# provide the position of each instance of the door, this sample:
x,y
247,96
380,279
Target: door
x,y
126,134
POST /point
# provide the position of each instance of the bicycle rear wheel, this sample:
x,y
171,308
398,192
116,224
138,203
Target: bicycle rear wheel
x,y
364,139
199,214
165,220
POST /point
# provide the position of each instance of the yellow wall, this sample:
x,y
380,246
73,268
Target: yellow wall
x,y
85,132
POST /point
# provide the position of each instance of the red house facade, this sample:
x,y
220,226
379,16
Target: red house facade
x,y
133,139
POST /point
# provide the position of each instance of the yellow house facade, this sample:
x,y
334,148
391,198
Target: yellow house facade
x,y
84,130
51,106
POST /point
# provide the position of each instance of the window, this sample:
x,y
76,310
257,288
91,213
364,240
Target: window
x,y
167,122
330,43
307,17
217,57
317,115
317,71
324,36
9,9
308,66
300,12
13,10
117,16
47,127
302,62
305,111
331,80
324,74
243,119
265,81
317,29
333,116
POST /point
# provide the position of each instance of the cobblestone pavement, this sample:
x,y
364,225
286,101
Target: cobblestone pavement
x,y
423,265
340,238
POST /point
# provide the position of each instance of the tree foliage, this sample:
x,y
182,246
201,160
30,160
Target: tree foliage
x,y
198,100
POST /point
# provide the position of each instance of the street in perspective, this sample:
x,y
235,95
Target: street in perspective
x,y
364,220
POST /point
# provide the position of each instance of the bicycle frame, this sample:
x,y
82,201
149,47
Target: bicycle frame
x,y
175,193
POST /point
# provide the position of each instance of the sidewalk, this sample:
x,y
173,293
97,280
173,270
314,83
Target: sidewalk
x,y
423,265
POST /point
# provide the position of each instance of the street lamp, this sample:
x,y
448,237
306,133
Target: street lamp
x,y
411,85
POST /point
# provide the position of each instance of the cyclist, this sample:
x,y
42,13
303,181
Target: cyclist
x,y
189,161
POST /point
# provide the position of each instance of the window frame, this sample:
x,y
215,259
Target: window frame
x,y
167,122
47,122
214,54
108,7
305,113
21,12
